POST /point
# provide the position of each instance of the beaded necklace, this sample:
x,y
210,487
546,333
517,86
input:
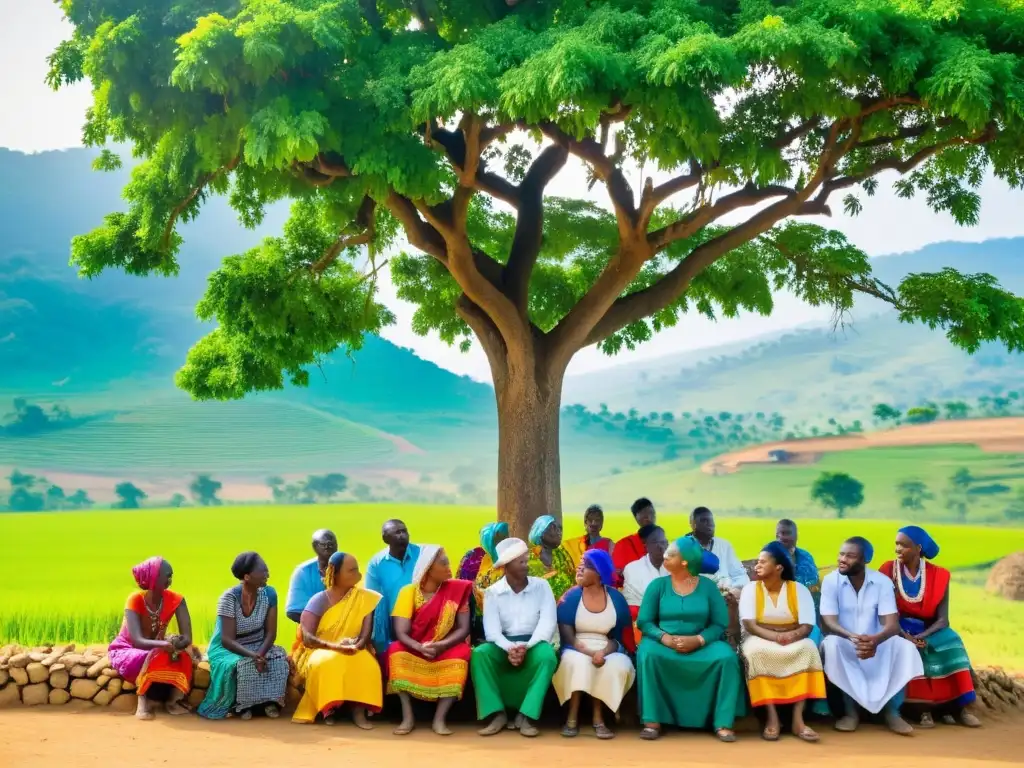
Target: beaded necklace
x,y
154,615
901,570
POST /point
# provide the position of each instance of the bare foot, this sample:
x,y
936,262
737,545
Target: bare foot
x,y
969,720
247,715
497,725
142,710
440,727
404,728
847,723
899,725
359,718
528,729
329,720
175,708
272,711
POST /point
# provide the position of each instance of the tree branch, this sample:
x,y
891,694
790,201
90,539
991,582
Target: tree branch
x,y
454,145
204,181
526,243
364,220
420,234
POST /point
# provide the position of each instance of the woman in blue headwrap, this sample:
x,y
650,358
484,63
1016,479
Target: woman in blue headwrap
x,y
688,675
478,566
596,630
783,663
550,560
922,598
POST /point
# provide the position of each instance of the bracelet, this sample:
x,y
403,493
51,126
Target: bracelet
x,y
703,642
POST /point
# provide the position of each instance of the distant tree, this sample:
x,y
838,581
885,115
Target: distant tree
x,y
55,498
913,494
922,414
204,490
129,495
957,409
884,413
79,500
961,479
176,501
362,491
838,491
668,416
326,487
957,493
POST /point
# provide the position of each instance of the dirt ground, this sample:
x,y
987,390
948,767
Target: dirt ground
x,y
994,435
91,738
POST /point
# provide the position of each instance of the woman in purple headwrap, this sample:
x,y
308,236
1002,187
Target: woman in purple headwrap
x,y
596,631
142,653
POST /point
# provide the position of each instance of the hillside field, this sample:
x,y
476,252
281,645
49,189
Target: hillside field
x,y
780,490
65,576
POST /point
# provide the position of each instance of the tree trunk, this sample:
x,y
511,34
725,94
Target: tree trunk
x,y
529,475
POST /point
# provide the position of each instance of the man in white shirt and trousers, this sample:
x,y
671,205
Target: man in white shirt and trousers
x,y
513,669
863,653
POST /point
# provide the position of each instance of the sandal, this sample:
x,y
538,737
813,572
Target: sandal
x,y
650,734
272,711
927,721
570,729
807,734
726,736
602,731
770,733
246,716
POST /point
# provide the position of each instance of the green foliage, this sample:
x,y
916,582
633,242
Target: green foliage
x,y
204,490
838,491
129,495
922,414
913,495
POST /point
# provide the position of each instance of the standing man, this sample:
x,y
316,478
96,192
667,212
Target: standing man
x,y
864,655
308,577
730,573
632,548
387,572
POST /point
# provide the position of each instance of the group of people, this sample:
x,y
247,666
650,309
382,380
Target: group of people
x,y
587,617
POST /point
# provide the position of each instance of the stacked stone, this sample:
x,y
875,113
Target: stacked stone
x,y
61,674
999,691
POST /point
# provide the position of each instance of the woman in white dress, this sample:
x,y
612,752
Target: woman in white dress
x,y
596,633
783,664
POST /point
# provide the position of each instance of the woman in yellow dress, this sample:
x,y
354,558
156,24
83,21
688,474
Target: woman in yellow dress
x,y
331,651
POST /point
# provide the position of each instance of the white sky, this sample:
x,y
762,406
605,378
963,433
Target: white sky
x,y
37,119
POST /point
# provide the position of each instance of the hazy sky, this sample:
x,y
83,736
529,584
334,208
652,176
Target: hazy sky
x,y
36,119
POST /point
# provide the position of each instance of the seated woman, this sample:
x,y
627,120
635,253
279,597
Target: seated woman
x,y
330,652
593,521
142,653
783,663
480,559
922,598
689,676
246,669
429,660
596,630
549,560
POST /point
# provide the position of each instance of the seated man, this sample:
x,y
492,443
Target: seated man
x,y
513,668
308,577
731,575
863,653
631,548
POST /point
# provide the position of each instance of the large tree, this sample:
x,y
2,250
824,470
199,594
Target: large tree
x,y
710,128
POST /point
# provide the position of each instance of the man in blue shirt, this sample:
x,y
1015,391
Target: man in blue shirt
x,y
387,572
308,577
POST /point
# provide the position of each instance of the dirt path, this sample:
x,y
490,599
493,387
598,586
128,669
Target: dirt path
x,y
93,739
993,435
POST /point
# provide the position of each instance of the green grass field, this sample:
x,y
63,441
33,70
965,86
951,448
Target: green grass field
x,y
780,490
65,576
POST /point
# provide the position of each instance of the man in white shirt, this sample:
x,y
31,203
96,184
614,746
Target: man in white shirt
x,y
864,655
640,573
730,574
513,669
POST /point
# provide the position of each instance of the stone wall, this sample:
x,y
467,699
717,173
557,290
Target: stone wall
x,y
57,675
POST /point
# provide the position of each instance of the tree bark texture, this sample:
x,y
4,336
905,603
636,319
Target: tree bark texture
x,y
529,472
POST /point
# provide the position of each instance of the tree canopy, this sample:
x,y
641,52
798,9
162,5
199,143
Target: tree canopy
x,y
714,127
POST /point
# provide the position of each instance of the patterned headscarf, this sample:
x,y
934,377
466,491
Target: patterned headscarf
x,y
692,552
488,534
147,572
333,566
428,554
600,561
918,535
540,525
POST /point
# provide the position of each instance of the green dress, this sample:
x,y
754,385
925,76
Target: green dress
x,y
691,690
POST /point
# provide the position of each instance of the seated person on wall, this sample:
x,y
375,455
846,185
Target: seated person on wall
x,y
596,631
864,655
332,653
783,663
308,577
631,548
142,653
246,669
387,572
481,559
486,574
639,574
805,569
513,669
922,598
593,521
689,676
730,576
429,659
549,560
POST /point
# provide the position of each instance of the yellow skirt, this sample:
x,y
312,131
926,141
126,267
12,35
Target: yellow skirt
x,y
334,679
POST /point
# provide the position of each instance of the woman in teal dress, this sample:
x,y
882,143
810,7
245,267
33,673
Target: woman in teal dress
x,y
688,675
